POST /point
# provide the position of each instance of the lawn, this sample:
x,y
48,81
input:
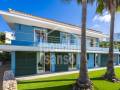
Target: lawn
x,y
65,82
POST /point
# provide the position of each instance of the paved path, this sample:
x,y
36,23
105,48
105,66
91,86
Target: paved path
x,y
2,69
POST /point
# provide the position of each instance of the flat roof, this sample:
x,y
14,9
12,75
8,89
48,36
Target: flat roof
x,y
22,18
48,20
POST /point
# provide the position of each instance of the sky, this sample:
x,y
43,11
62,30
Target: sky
x,y
64,12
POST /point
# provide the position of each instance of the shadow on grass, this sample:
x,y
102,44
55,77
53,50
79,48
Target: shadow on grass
x,y
46,81
94,79
62,87
97,78
65,87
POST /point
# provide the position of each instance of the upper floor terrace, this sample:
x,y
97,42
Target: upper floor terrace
x,y
36,36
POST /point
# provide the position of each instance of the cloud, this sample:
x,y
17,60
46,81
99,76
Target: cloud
x,y
102,18
96,26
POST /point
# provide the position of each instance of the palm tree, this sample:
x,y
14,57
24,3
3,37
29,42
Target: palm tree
x,y
83,82
112,6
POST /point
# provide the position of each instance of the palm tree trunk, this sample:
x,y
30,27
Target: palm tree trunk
x,y
110,74
83,66
83,82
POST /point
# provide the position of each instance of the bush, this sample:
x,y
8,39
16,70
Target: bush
x,y
4,57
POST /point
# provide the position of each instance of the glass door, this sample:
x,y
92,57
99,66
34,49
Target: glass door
x,y
72,61
47,62
97,60
40,62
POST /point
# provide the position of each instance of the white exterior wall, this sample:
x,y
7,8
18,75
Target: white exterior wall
x,y
8,37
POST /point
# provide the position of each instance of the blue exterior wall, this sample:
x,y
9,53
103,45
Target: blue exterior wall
x,y
24,35
90,57
22,43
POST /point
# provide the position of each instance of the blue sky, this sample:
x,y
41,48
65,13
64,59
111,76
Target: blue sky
x,y
63,12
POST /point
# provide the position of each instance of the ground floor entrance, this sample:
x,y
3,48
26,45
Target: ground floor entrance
x,y
43,62
27,63
55,62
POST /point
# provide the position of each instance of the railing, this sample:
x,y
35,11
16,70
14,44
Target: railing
x,y
71,47
100,49
55,46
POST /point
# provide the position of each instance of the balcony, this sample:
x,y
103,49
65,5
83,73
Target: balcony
x,y
71,48
51,44
58,47
54,47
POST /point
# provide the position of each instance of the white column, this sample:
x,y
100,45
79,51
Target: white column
x,y
52,62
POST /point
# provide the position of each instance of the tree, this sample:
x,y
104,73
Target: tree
x,y
112,6
83,82
106,44
2,38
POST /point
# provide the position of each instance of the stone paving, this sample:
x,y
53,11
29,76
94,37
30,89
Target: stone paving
x,y
2,69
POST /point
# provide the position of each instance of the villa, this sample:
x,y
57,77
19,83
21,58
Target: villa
x,y
39,40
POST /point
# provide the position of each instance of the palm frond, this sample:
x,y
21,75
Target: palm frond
x,y
106,4
79,1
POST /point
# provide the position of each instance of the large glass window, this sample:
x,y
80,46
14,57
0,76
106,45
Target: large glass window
x,y
72,39
41,35
97,42
65,38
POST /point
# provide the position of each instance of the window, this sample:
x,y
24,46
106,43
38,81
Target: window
x,y
72,39
97,42
91,42
63,38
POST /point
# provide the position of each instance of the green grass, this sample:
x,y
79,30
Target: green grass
x,y
65,82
